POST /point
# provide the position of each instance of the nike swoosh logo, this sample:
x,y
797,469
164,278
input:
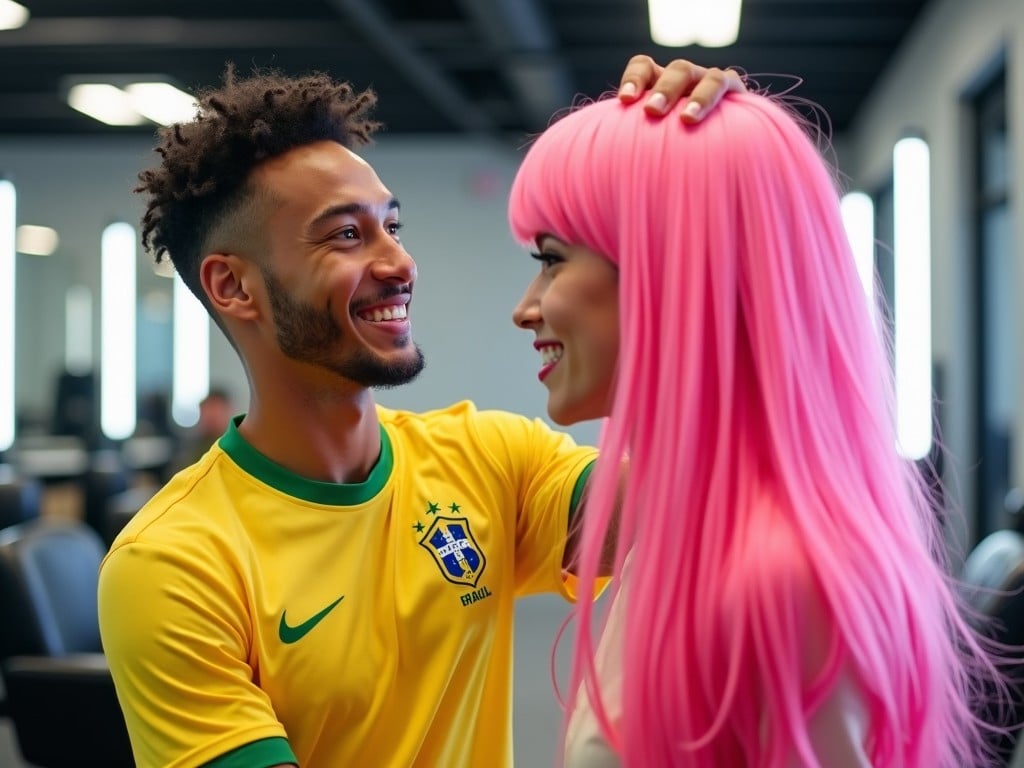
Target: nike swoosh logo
x,y
289,634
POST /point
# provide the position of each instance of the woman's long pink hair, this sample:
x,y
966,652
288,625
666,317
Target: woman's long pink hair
x,y
777,540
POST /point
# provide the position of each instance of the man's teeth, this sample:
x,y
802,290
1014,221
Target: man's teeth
x,y
397,312
550,354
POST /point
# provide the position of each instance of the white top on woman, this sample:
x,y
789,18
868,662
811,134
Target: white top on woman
x,y
838,728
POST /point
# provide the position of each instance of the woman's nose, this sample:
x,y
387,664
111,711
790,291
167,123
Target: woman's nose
x,y
527,312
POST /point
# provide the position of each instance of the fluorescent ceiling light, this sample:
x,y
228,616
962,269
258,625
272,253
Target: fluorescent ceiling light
x,y
161,102
8,200
120,101
191,355
104,102
117,331
912,308
37,241
677,23
859,219
12,14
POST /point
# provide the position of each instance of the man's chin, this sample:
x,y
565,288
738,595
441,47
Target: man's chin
x,y
397,370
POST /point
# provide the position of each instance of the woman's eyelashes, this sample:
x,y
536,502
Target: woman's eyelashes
x,y
546,258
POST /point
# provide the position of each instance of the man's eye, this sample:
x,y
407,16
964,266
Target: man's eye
x,y
348,233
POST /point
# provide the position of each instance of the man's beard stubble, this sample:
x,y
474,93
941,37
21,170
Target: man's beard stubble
x,y
309,335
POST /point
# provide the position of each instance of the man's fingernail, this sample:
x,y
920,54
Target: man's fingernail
x,y
657,102
628,89
692,109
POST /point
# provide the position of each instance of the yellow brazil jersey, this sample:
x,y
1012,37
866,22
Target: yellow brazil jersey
x,y
253,617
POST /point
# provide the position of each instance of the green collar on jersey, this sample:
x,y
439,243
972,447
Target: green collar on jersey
x,y
286,481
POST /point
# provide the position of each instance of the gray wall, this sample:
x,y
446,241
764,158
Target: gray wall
x,y
952,48
453,195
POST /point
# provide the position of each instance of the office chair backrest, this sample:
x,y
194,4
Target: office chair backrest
x,y
48,580
20,497
60,696
993,583
75,409
993,575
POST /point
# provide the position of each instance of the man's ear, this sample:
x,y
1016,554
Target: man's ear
x,y
226,279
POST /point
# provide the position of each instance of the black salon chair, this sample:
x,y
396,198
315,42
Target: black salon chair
x,y
60,695
106,477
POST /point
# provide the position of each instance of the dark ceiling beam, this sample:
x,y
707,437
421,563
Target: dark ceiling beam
x,y
770,61
34,106
521,38
161,32
433,83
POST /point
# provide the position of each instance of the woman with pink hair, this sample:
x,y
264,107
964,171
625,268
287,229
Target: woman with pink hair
x,y
781,596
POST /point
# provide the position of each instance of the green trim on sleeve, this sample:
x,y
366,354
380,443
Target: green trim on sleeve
x,y
577,490
258,754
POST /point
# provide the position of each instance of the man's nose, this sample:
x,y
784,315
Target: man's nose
x,y
394,263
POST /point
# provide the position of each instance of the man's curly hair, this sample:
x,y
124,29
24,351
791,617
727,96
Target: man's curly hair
x,y
205,163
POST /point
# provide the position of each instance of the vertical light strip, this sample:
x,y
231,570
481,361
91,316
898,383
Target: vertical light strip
x,y
78,330
8,275
859,219
912,310
191,355
117,329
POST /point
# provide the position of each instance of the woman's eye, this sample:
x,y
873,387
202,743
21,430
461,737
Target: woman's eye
x,y
547,259
393,227
348,233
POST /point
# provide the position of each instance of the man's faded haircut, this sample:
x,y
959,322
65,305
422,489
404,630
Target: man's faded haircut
x,y
205,163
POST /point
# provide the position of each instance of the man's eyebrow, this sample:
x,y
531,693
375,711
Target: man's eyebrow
x,y
349,209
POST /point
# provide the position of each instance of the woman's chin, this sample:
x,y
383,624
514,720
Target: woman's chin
x,y
568,414
560,420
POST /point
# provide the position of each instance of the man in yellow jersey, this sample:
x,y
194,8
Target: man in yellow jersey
x,y
332,584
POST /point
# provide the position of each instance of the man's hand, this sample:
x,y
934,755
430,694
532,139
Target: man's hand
x,y
703,87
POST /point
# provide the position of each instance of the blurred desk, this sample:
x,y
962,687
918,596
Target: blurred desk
x,y
50,458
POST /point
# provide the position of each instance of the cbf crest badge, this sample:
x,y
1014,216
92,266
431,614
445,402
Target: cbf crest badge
x,y
451,542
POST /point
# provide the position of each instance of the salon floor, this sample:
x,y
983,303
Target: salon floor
x,y
537,716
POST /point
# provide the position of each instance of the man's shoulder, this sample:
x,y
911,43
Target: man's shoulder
x,y
464,432
174,513
462,412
